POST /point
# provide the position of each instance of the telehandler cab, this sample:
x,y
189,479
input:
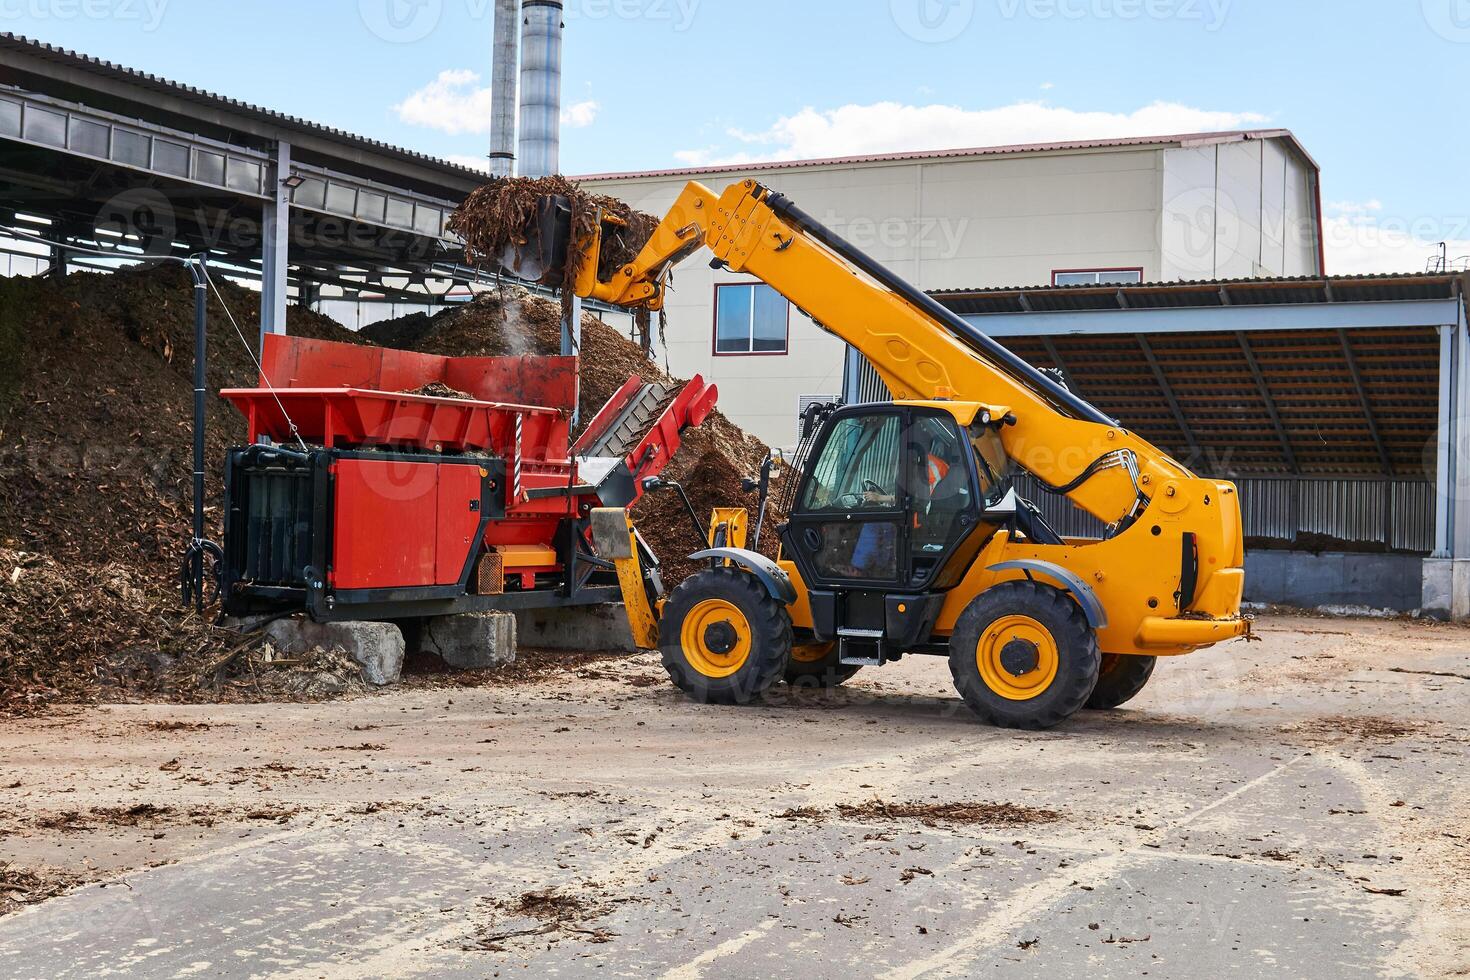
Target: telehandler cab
x,y
903,533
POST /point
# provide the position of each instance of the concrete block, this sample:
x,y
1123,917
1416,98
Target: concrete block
x,y
1446,588
585,629
378,647
472,641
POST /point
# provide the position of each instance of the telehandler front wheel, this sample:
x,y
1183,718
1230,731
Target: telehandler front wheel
x,y
816,665
723,638
1023,656
1121,678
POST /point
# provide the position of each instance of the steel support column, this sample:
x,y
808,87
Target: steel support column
x,y
275,258
1056,358
1265,390
1168,392
1444,476
1384,459
1457,487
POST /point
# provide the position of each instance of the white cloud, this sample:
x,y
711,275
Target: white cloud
x,y
453,103
456,103
580,115
1360,238
888,127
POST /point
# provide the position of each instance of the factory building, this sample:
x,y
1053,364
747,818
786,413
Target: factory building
x,y
1176,282
1156,209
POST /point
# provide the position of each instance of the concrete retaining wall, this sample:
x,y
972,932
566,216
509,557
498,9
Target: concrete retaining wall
x,y
1297,578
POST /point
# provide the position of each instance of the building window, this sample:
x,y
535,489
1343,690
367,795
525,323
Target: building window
x,y
750,319
1096,277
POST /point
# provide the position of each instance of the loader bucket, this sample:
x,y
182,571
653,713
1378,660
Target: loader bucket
x,y
546,239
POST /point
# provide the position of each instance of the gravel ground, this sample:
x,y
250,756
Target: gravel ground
x,y
1294,807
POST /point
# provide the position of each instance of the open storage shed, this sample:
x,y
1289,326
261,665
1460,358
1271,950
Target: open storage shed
x,y
1339,406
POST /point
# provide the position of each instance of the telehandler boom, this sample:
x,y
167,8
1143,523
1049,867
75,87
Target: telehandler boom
x,y
904,534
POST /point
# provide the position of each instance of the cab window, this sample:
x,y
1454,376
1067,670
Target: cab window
x,y
858,468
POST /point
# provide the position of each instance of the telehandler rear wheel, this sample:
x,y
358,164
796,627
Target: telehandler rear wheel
x,y
723,638
816,665
1023,656
1121,678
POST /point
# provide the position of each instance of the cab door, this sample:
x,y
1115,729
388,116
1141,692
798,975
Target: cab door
x,y
847,529
887,503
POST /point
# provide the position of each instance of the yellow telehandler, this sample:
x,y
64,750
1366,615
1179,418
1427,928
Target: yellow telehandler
x,y
904,534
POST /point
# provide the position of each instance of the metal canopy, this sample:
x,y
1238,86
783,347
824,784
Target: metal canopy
x,y
1325,403
1222,319
96,156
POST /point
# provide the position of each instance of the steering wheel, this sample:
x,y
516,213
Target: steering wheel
x,y
872,487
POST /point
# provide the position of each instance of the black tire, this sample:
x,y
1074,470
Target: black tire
x,y
1049,614
715,597
825,673
1121,677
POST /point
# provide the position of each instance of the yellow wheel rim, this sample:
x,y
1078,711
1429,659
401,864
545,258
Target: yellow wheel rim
x,y
716,638
1018,658
812,653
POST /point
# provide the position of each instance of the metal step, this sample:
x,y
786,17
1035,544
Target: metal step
x,y
860,648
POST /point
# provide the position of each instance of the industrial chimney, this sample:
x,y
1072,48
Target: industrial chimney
x,y
540,136
503,88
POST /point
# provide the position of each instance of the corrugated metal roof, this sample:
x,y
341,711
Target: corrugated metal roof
x,y
1224,424
1206,293
97,66
1186,139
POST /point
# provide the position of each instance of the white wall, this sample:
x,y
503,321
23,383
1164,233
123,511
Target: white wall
x,y
1237,211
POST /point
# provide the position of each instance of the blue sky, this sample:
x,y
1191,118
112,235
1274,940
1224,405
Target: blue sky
x,y
1375,89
